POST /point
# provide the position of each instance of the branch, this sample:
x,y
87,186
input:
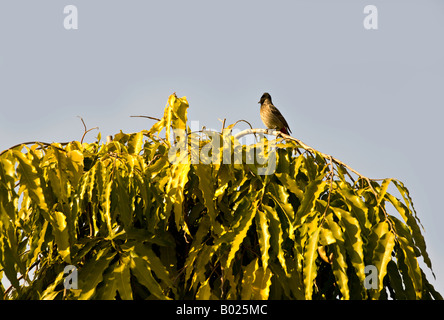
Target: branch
x,y
223,124
6,293
36,142
304,146
152,118
251,127
327,156
86,131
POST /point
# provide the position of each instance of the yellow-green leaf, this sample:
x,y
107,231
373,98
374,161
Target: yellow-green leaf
x,y
241,231
262,228
310,255
352,240
61,235
30,180
382,253
92,273
311,194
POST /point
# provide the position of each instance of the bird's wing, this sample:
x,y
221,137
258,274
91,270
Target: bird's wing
x,y
278,114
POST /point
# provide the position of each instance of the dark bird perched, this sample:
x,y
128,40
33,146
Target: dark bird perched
x,y
271,116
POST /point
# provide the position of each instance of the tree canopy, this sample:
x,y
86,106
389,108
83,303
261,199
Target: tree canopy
x,y
167,213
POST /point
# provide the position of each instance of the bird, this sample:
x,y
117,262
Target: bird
x,y
271,116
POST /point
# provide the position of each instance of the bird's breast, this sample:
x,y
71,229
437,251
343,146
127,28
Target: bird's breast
x,y
268,118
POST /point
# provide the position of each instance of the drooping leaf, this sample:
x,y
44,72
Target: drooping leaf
x,y
30,180
142,271
411,222
276,235
339,258
352,241
92,273
382,253
311,193
262,228
240,231
61,235
310,255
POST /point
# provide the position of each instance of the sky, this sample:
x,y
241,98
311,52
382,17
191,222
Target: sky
x,y
371,98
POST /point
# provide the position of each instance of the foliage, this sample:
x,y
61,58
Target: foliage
x,y
138,226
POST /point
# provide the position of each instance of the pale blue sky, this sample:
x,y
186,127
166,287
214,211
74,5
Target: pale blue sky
x,y
372,98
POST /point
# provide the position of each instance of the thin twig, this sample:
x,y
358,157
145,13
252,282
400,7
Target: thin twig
x,y
332,174
86,131
152,118
223,124
251,127
20,278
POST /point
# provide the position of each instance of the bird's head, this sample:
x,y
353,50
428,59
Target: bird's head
x,y
265,96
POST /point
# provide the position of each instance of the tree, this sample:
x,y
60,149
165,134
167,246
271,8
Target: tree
x,y
145,216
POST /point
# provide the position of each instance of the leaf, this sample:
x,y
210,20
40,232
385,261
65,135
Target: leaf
x,y
352,240
407,198
175,116
154,263
395,280
311,194
30,180
50,293
262,228
310,255
196,246
339,264
411,222
280,197
260,289
108,290
122,273
75,166
276,235
382,253
203,263
290,183
61,235
206,186
204,292
356,206
135,143
7,260
37,241
125,199
261,286
384,186
116,279
92,273
57,175
413,270
143,274
248,279
106,214
340,269
240,232
175,194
